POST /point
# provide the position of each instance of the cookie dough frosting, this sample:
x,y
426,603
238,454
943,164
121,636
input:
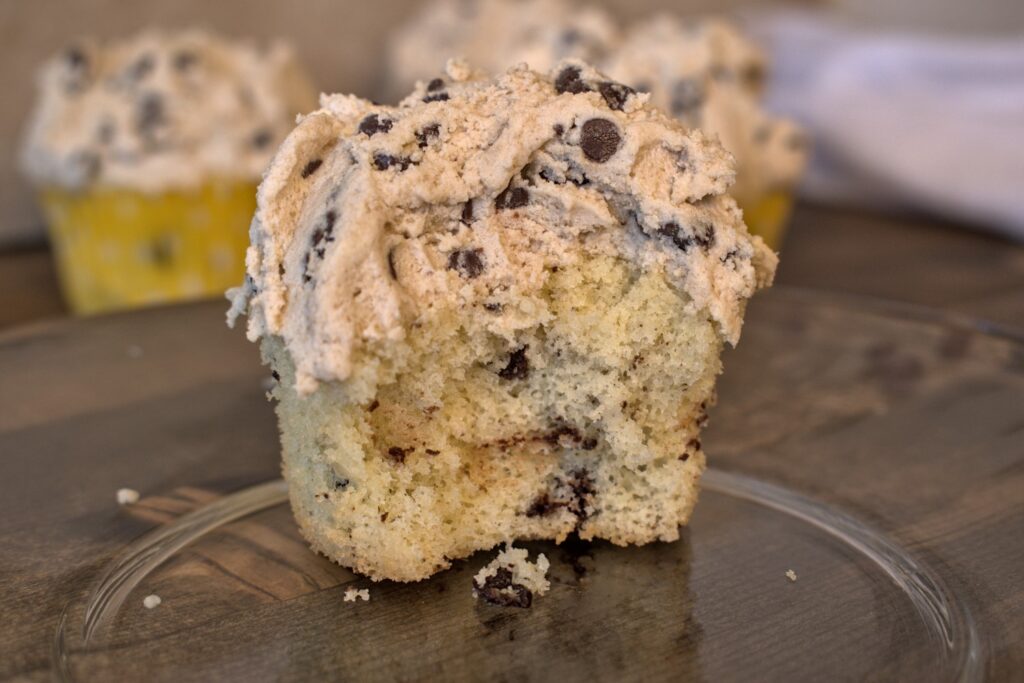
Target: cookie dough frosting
x,y
496,34
709,76
494,312
162,111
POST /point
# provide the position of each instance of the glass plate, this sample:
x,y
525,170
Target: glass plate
x,y
775,578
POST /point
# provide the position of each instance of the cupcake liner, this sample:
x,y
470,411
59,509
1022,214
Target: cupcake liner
x,y
118,248
767,216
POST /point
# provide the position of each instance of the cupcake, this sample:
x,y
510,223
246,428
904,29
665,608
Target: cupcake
x,y
494,35
146,154
494,312
709,76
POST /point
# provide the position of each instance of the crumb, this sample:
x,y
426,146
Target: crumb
x,y
135,351
127,496
511,580
791,575
354,594
151,601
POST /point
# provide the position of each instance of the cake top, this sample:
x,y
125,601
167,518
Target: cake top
x,y
465,196
707,74
494,35
162,111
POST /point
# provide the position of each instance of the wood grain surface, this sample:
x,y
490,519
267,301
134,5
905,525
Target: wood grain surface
x,y
169,402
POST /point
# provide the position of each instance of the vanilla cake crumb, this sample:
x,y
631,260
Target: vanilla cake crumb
x,y
791,575
127,496
354,594
151,601
511,580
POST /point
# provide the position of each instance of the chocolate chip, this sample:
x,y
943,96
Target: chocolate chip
x,y
437,97
703,235
684,457
687,95
280,269
599,139
340,482
498,589
512,198
185,60
435,84
383,162
431,451
142,67
150,113
568,80
589,444
373,124
563,434
494,307
76,58
582,486
542,506
262,138
427,133
391,264
324,233
276,376
468,262
518,366
467,212
373,405
615,94
311,167
398,454
559,129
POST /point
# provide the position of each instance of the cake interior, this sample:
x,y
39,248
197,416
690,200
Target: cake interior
x,y
456,438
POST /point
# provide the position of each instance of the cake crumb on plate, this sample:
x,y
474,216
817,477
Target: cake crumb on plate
x,y
511,580
151,601
354,594
127,496
791,575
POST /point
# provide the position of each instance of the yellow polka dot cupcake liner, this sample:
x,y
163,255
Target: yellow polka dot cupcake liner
x,y
768,216
118,248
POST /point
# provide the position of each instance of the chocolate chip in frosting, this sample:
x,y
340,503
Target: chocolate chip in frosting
x,y
512,198
568,80
467,212
599,139
468,262
427,133
703,235
383,161
518,366
437,97
435,84
498,589
391,264
311,167
373,124
615,94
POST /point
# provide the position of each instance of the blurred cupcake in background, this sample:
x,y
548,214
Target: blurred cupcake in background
x,y
709,76
493,35
146,154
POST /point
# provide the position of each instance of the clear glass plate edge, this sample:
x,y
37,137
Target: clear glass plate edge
x,y
945,617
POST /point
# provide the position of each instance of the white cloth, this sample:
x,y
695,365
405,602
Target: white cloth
x,y
927,122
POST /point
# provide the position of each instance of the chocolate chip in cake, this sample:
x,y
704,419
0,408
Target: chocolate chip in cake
x,y
568,80
340,482
468,262
600,139
373,405
431,451
373,124
311,167
687,96
615,94
582,486
498,589
512,198
518,366
703,235
559,130
383,161
391,264
589,444
437,97
494,307
398,454
262,138
542,506
427,133
467,212
435,84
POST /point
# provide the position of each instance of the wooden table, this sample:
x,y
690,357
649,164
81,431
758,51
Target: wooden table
x,y
58,523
